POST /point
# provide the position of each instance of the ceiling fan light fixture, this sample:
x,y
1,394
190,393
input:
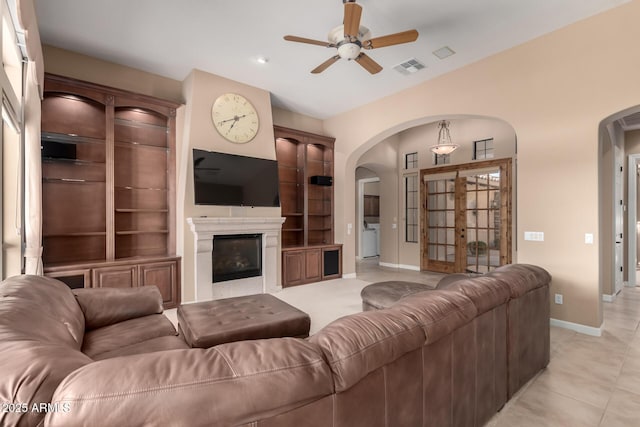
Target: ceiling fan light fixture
x,y
349,50
350,38
444,145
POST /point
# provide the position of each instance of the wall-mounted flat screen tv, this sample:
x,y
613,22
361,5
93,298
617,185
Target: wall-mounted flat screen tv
x,y
232,180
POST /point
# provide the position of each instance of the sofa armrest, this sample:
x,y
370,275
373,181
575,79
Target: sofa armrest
x,y
106,306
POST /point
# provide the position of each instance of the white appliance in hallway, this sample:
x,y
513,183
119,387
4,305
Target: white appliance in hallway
x,y
371,240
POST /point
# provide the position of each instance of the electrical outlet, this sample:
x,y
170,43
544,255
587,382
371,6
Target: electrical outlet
x,y
558,298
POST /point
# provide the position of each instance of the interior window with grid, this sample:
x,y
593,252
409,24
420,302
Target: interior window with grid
x,y
441,159
411,208
411,160
483,149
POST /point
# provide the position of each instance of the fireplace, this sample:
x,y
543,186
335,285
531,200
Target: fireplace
x,y
208,230
236,256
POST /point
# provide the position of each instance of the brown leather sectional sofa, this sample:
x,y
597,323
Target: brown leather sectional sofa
x,y
447,357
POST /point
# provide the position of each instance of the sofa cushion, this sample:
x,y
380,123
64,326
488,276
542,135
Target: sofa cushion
x,y
30,371
40,308
384,294
439,312
449,279
149,346
485,292
106,306
522,278
230,384
124,334
358,344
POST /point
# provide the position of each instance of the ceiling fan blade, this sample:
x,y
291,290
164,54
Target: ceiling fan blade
x,y
320,68
368,64
391,39
308,41
352,14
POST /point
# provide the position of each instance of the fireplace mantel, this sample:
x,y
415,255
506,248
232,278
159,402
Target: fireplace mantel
x,y
206,228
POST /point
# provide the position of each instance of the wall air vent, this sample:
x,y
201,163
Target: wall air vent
x,y
631,122
409,67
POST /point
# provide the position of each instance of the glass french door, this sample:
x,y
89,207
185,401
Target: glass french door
x,y
466,217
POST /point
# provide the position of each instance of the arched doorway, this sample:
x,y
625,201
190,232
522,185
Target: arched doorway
x,y
399,247
619,136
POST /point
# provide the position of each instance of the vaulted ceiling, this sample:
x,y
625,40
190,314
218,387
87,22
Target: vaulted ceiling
x,y
170,38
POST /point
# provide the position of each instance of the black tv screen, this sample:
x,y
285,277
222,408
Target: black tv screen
x,y
231,180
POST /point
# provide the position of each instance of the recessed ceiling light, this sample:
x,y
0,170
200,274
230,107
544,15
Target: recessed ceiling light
x,y
262,60
443,52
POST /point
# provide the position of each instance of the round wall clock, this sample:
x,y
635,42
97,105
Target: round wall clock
x,y
235,118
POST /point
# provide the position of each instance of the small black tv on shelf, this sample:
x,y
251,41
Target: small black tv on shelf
x,y
231,180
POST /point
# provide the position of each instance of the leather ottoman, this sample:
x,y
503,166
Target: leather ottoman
x,y
209,323
381,295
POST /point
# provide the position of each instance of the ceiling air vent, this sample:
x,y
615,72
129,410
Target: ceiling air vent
x,y
409,67
631,122
443,52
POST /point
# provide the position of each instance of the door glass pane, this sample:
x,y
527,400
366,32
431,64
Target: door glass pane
x,y
483,222
451,253
441,219
451,218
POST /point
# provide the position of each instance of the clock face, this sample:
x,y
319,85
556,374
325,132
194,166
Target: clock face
x,y
235,118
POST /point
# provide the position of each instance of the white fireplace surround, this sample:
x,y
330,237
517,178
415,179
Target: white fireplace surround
x,y
206,228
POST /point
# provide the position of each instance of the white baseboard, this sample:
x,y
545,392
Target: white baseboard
x,y
403,266
609,298
349,276
583,329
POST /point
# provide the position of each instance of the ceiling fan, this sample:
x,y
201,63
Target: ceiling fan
x,y
351,38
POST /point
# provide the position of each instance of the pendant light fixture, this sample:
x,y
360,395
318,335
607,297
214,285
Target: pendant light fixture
x,y
444,145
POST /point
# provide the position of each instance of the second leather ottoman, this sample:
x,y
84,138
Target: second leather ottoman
x,y
209,323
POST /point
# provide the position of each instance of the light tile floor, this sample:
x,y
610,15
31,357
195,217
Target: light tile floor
x,y
590,381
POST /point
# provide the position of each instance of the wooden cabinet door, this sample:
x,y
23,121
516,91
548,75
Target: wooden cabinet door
x,y
292,268
122,276
163,275
332,262
313,265
74,279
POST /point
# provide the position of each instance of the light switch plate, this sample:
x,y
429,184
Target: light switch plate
x,y
588,238
535,236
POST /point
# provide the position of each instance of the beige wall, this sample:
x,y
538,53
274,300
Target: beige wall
x,y
553,91
607,214
200,91
83,67
297,121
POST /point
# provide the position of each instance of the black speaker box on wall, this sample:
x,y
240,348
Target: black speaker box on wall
x,y
321,180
